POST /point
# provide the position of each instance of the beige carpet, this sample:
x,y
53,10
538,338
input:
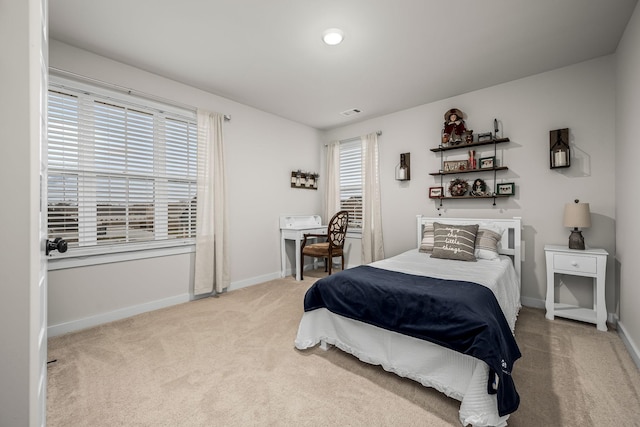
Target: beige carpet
x,y
230,361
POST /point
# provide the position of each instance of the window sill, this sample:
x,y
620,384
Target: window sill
x,y
87,260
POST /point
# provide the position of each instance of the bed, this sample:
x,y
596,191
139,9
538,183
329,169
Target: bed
x,y
469,376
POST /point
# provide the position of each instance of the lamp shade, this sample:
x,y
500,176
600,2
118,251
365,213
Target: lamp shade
x,y
577,215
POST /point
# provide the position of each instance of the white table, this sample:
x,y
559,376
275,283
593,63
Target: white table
x,y
591,262
294,228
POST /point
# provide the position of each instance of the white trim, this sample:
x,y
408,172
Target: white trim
x,y
99,319
123,313
628,342
92,86
532,302
253,281
83,261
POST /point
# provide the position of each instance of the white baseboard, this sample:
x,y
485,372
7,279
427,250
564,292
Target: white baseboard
x,y
628,342
532,302
99,319
253,281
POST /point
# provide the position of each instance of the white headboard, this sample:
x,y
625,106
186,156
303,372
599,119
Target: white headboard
x,y
511,239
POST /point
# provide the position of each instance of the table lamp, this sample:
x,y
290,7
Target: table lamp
x,y
577,215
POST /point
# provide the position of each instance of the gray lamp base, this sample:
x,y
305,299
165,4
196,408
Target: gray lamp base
x,y
576,241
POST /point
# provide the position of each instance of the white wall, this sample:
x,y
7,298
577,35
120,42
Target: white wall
x,y
627,178
261,151
580,97
92,295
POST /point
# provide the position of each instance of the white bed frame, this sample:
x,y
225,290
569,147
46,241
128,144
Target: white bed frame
x,y
457,375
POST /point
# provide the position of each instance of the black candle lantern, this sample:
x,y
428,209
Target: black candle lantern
x,y
403,169
559,152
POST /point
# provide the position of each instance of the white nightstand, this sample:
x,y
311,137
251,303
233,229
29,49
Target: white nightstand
x,y
590,262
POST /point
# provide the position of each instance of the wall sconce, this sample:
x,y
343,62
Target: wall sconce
x,y
559,152
308,180
577,215
403,169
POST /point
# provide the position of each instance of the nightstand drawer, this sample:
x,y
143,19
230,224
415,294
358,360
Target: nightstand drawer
x,y
583,264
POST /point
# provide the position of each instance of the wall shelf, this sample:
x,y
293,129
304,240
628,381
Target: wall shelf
x,y
490,196
468,146
499,168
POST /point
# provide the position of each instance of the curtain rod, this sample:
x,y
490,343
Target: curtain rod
x,y
127,90
379,132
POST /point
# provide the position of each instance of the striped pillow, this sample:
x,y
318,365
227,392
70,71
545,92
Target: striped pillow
x,y
487,243
427,238
454,241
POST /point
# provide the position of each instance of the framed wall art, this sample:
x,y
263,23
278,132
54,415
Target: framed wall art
x,y
507,188
456,165
435,192
487,162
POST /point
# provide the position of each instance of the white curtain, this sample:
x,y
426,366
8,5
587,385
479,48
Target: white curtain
x,y
212,243
372,247
332,186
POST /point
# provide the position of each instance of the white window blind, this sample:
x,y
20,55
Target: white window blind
x,y
121,174
351,181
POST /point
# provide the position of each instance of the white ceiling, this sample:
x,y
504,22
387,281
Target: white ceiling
x,y
396,54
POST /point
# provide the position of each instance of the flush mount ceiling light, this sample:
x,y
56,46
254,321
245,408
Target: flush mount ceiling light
x,y
333,36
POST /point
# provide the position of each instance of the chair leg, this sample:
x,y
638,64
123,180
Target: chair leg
x,y
326,265
342,262
301,266
330,264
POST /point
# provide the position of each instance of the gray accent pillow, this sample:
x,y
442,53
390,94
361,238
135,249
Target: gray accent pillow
x,y
454,241
487,243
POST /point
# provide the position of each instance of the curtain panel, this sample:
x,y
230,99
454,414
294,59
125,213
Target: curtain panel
x,y
372,245
332,186
212,242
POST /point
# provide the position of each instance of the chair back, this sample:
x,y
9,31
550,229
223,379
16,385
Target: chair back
x,y
337,230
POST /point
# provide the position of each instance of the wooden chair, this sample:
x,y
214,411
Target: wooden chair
x,y
333,247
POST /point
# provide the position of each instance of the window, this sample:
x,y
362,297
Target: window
x,y
121,171
351,181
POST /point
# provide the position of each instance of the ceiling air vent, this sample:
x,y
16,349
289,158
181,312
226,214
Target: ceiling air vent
x,y
351,112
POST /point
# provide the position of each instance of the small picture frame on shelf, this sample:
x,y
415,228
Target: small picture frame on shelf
x,y
487,162
506,188
456,165
435,192
484,137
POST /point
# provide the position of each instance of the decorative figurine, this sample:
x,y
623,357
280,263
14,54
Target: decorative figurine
x,y
468,136
479,188
454,127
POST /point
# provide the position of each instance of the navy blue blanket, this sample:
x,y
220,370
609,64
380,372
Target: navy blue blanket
x,y
461,316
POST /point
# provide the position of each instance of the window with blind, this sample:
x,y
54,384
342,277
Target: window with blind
x,y
351,181
121,174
